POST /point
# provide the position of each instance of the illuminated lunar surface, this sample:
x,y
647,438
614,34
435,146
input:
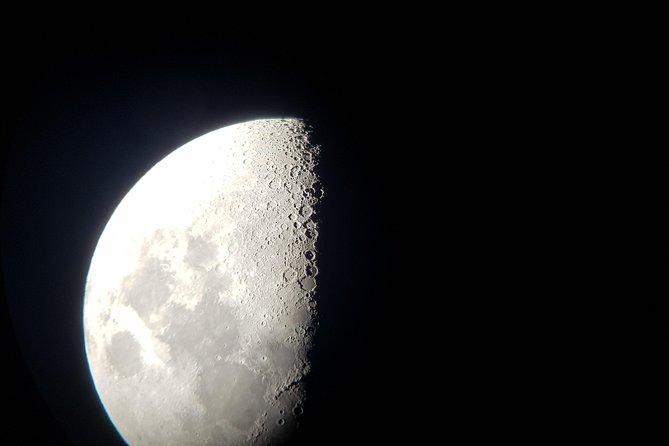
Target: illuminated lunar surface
x,y
199,309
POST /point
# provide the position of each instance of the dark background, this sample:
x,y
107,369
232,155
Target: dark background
x,y
89,111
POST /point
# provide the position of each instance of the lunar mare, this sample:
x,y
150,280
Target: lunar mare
x,y
199,307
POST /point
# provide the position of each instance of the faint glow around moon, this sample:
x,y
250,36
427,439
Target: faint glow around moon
x,y
199,310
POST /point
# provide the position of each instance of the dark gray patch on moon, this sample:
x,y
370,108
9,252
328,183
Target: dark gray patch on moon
x,y
200,251
218,282
231,392
279,355
124,354
148,289
104,317
209,331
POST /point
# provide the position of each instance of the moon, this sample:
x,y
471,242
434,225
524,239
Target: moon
x,y
199,307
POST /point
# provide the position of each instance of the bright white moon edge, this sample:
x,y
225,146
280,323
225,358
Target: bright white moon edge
x,y
199,308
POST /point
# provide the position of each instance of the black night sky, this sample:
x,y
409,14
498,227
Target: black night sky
x,y
88,112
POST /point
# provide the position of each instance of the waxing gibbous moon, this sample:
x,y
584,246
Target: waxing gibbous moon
x,y
199,308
